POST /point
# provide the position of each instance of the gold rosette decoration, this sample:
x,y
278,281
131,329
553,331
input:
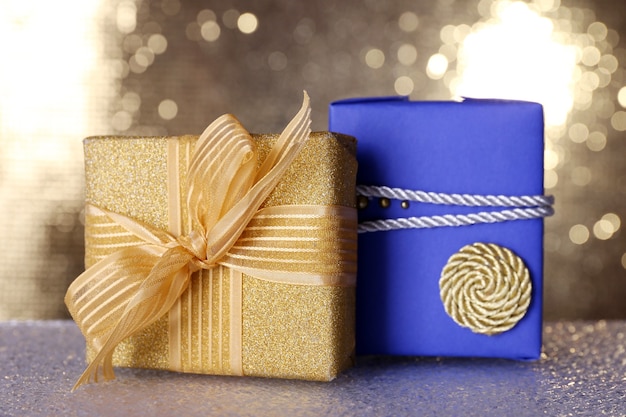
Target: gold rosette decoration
x,y
187,274
486,288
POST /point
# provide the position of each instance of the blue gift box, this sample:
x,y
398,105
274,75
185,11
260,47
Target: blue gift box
x,y
473,147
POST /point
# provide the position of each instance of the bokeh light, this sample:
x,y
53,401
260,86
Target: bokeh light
x,y
404,85
210,31
168,109
437,66
126,16
157,43
408,21
514,55
579,234
375,58
247,23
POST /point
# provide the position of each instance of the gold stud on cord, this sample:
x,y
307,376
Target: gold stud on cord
x,y
362,202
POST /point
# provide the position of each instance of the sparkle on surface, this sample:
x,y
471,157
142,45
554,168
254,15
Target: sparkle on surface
x,y
580,373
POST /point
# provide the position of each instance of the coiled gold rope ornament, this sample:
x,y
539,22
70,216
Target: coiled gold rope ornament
x,y
486,288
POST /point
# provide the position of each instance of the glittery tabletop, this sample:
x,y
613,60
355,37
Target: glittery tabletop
x,y
582,372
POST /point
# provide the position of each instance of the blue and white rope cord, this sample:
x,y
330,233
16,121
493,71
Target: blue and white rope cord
x,y
517,208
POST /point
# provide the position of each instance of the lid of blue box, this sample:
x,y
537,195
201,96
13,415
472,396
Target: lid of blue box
x,y
453,140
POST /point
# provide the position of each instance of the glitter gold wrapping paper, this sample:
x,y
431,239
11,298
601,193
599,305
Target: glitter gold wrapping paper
x,y
287,330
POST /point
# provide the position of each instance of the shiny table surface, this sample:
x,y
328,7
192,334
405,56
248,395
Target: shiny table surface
x,y
582,372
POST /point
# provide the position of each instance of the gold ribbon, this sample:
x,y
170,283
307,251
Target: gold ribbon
x,y
136,285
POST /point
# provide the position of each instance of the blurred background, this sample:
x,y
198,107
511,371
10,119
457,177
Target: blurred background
x,y
156,67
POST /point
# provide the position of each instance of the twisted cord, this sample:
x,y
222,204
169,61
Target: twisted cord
x,y
521,208
473,200
486,288
454,219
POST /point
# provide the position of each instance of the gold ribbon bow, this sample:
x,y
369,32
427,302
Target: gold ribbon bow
x,y
135,286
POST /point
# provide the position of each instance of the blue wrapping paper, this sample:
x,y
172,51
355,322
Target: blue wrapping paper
x,y
477,146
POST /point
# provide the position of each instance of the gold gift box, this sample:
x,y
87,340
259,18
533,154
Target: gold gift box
x,y
287,330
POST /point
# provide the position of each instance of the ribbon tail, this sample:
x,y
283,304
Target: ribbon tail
x,y
154,297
